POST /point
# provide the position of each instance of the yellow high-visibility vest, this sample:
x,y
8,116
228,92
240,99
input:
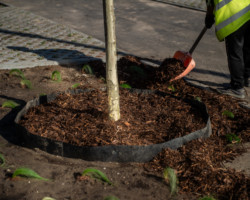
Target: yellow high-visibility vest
x,y
230,15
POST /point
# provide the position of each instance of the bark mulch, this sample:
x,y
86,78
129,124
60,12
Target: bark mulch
x,y
147,119
82,119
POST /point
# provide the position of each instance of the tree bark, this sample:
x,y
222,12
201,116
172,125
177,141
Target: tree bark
x,y
111,60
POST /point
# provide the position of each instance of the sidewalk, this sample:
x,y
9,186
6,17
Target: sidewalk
x,y
28,40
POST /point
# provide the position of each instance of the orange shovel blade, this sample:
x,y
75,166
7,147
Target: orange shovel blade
x,y
187,61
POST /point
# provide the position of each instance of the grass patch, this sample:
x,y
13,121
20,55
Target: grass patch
x,y
96,174
171,178
232,138
17,72
26,83
75,85
87,69
29,173
125,85
56,76
198,99
171,88
228,114
10,104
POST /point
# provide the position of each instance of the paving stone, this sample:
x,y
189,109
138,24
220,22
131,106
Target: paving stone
x,y
27,40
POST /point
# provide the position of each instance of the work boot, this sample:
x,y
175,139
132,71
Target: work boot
x,y
238,93
247,82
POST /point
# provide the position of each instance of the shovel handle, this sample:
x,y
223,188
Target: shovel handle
x,y
203,31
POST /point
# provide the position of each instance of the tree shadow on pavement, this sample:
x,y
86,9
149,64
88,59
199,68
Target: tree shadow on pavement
x,y
76,44
51,39
61,56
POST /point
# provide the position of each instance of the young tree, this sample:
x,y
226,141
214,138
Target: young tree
x,y
111,60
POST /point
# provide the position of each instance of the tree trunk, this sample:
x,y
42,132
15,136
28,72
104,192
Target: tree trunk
x,y
111,60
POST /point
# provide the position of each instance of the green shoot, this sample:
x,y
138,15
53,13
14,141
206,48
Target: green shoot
x,y
138,71
228,114
103,79
29,173
56,76
97,174
87,69
75,85
198,99
2,160
171,88
26,83
48,198
207,198
111,198
232,138
170,176
17,72
10,104
124,85
42,94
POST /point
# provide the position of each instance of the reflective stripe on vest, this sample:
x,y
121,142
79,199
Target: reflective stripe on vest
x,y
230,15
222,3
233,18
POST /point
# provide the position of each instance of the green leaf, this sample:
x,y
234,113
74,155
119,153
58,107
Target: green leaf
x,y
111,198
75,85
26,83
228,114
232,138
124,85
170,176
10,104
171,87
198,99
56,76
103,79
17,72
2,160
48,198
87,69
95,173
29,173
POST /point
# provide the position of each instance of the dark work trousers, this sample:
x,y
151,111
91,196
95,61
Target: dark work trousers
x,y
238,54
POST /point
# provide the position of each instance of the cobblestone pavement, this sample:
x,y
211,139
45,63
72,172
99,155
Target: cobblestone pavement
x,y
28,40
195,4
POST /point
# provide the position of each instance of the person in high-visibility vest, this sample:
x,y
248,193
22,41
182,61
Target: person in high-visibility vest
x,y
232,24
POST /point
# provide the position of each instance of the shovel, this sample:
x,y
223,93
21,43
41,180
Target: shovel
x,y
186,57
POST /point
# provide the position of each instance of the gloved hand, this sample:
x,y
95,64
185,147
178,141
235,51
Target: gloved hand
x,y
209,20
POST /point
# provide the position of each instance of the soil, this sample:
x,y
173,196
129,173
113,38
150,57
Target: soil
x,y
198,164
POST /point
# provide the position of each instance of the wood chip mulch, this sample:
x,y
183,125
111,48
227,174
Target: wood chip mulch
x,y
82,119
199,163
